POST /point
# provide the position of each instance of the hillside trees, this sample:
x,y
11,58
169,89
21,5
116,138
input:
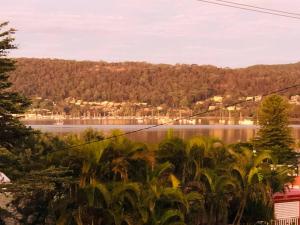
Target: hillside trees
x,y
157,84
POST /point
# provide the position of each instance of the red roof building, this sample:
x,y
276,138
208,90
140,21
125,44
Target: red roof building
x,y
287,205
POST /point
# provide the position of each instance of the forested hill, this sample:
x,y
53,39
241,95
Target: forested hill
x,y
156,84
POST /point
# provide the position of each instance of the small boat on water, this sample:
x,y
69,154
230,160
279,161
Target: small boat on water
x,y
59,122
187,121
140,120
246,122
230,122
191,121
222,121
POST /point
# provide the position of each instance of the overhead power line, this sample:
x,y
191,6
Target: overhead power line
x,y
178,119
253,9
257,7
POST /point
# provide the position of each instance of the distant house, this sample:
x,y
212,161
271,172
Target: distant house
x,y
257,98
110,104
73,101
30,115
78,102
249,98
231,108
212,107
295,97
199,103
295,100
104,103
217,99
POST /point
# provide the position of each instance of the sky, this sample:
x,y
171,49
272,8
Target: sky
x,y
156,31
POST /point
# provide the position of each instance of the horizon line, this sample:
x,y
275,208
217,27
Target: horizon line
x,y
153,63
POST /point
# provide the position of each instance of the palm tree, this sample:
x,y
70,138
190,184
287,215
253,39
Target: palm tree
x,y
219,190
172,150
188,158
191,161
126,160
107,192
247,169
203,152
206,172
121,182
164,202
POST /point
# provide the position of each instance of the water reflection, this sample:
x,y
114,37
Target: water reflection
x,y
227,133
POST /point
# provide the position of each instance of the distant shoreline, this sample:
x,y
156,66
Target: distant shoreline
x,y
130,126
46,120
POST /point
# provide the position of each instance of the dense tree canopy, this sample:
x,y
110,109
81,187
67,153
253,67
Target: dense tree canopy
x,y
156,84
117,181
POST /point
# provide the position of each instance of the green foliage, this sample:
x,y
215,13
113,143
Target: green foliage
x,y
248,171
257,210
91,135
117,181
12,132
274,133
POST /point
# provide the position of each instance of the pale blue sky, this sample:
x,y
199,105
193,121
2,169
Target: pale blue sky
x,y
158,31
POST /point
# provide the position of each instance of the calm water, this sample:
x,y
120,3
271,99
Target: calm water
x,y
227,133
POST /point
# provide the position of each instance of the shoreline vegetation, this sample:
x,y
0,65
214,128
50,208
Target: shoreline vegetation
x,y
145,120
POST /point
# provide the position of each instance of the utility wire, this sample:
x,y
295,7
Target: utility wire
x,y
178,119
250,9
257,7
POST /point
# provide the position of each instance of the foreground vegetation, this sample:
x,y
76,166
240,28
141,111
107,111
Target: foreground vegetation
x,y
117,181
89,179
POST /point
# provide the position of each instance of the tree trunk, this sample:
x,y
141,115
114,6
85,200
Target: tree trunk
x,y
210,215
240,212
224,219
217,217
